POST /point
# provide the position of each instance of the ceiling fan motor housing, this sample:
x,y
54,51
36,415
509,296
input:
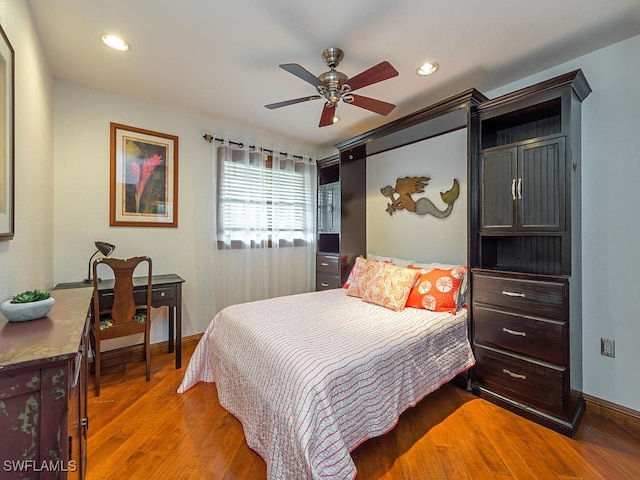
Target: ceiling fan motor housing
x,y
332,87
332,56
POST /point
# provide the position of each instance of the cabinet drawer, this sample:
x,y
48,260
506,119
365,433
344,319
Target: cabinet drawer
x,y
325,282
536,384
326,263
539,338
543,298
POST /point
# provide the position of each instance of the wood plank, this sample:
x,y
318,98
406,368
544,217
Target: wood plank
x,y
147,430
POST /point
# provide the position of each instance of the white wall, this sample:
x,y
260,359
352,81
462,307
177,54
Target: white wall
x,y
610,205
423,238
26,262
81,197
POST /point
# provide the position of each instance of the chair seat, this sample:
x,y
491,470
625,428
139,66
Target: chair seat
x,y
107,322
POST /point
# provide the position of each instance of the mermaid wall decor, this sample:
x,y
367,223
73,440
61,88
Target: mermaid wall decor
x,y
401,199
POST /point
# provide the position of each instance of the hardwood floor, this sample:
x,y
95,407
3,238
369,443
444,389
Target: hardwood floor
x,y
141,430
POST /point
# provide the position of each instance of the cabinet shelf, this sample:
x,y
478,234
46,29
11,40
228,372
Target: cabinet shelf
x,y
539,120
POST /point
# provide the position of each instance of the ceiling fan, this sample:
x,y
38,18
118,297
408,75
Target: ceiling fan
x,y
333,86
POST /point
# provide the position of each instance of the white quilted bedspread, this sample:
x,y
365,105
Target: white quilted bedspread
x,y
312,376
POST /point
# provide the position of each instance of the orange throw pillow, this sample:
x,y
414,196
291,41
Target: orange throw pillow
x,y
436,289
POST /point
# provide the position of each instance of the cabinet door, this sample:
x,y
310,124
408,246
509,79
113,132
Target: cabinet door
x,y
541,186
498,170
329,208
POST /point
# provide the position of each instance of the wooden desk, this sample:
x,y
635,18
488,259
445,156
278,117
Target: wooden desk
x,y
166,292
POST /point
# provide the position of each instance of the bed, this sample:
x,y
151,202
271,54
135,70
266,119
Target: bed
x,y
311,376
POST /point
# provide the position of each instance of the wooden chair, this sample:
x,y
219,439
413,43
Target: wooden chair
x,y
122,317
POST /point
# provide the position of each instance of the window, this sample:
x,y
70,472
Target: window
x,y
263,200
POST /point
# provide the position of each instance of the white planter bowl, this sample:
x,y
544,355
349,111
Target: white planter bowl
x,y
22,312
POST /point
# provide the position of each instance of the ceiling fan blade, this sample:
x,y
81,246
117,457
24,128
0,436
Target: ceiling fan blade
x,y
373,105
271,106
302,73
377,73
328,112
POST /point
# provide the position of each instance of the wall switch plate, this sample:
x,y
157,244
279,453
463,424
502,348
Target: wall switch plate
x,y
607,347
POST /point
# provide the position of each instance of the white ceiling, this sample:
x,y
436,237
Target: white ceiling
x,y
220,58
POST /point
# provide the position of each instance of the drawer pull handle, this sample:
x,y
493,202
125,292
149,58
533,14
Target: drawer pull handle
x,y
324,284
162,294
514,332
519,188
513,294
324,264
514,375
513,188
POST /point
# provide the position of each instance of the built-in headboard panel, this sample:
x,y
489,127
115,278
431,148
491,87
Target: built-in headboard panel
x,y
405,234
432,142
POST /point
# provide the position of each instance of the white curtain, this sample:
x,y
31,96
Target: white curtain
x,y
264,229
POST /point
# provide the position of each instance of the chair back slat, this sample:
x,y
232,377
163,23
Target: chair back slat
x,y
124,306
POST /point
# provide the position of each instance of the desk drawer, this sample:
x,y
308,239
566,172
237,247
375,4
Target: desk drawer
x,y
534,383
162,294
326,263
543,298
536,337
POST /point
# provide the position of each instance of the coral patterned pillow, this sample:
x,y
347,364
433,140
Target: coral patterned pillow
x,y
363,272
352,273
436,289
390,287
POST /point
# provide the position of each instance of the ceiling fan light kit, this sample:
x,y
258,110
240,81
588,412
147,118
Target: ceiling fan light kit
x,y
333,86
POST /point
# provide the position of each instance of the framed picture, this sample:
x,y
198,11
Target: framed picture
x,y
144,178
7,152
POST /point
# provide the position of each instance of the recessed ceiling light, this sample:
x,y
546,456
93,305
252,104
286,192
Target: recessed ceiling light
x,y
427,68
115,42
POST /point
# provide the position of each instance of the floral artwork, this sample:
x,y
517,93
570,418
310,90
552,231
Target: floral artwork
x,y
146,179
143,177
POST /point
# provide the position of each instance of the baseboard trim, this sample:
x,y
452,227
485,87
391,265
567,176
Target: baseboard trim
x,y
612,411
133,353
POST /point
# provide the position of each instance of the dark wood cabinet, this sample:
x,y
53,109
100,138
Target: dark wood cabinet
x,y
327,271
525,252
521,338
342,233
523,188
43,391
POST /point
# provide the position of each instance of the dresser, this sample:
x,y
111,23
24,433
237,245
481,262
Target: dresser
x,y
525,252
43,391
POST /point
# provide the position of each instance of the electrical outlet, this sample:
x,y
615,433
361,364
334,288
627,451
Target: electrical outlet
x,y
607,347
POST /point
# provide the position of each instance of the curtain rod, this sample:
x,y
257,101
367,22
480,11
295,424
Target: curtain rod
x,y
210,138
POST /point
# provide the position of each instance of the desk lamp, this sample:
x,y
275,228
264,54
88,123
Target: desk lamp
x,y
105,249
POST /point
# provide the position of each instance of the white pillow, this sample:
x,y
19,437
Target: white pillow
x,y
398,262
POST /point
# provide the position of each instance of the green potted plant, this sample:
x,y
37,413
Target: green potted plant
x,y
28,305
